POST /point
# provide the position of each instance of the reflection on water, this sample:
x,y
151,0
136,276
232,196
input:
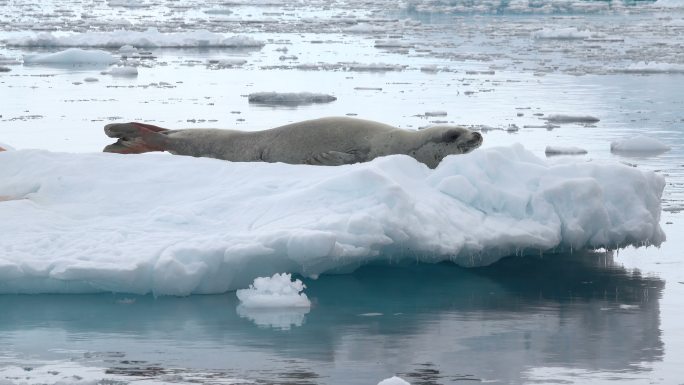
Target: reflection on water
x,y
427,323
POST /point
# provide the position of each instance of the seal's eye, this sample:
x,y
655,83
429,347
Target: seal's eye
x,y
451,136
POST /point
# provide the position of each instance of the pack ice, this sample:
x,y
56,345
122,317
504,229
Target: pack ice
x,y
174,225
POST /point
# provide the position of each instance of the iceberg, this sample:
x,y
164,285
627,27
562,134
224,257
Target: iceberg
x,y
174,225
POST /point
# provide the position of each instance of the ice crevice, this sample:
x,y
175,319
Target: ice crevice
x,y
173,225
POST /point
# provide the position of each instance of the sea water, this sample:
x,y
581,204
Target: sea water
x,y
581,317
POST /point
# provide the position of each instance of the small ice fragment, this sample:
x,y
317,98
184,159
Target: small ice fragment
x,y
628,307
90,80
278,291
639,144
436,113
553,150
370,314
289,98
394,380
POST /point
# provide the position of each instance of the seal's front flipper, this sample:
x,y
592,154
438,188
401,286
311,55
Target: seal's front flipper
x,y
334,158
135,138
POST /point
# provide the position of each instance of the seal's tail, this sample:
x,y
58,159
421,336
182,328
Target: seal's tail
x,y
135,138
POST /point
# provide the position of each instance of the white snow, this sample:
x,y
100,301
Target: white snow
x,y
149,39
394,380
72,56
556,150
175,225
639,144
290,98
278,291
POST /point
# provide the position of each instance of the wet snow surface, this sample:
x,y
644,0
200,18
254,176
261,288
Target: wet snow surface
x,y
596,84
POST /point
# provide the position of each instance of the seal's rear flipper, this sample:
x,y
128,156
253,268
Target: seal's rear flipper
x,y
135,138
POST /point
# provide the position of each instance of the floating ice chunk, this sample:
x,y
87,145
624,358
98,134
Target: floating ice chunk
x,y
559,118
561,34
553,150
436,113
639,144
127,3
72,56
650,68
121,71
227,63
380,67
278,291
394,380
218,11
432,68
392,44
289,98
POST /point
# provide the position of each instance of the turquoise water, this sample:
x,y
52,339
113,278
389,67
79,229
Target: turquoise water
x,y
425,323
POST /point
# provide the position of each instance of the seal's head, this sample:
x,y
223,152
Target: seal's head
x,y
440,141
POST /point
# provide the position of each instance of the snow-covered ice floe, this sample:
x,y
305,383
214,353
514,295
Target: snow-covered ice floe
x,y
150,38
174,225
289,98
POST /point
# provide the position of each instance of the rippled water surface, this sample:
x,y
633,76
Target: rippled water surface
x,y
580,318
